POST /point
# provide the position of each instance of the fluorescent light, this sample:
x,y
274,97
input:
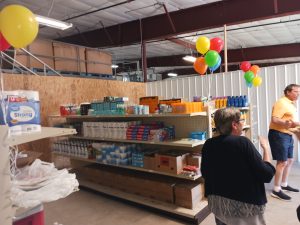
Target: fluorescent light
x,y
114,66
189,58
172,74
46,21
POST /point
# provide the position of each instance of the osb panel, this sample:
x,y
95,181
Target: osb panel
x,y
98,56
23,59
41,47
36,64
98,62
64,50
55,91
98,68
72,55
33,63
81,51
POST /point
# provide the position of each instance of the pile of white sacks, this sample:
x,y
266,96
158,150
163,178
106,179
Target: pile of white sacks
x,y
41,182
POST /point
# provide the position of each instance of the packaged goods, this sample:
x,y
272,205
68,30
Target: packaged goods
x,y
20,110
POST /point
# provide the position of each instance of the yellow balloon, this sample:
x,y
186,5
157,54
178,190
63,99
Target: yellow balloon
x,y
256,81
202,44
18,25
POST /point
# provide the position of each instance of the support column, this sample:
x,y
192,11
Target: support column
x,y
143,53
225,49
144,60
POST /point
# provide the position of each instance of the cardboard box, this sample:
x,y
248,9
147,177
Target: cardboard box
x,y
98,62
188,194
194,160
151,101
69,57
170,162
133,182
170,101
149,162
42,49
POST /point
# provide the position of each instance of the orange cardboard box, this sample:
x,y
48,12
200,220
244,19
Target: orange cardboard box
x,y
152,101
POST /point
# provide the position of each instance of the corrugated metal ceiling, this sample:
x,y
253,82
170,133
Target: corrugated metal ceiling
x,y
275,31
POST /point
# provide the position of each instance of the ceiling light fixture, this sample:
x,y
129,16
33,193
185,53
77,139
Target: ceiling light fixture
x,y
114,66
189,58
172,74
46,21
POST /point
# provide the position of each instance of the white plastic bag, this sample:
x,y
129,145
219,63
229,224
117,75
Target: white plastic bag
x,y
42,182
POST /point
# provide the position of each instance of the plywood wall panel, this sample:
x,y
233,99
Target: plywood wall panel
x,y
55,91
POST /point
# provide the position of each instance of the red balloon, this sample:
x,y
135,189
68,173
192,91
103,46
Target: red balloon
x,y
245,66
3,43
216,44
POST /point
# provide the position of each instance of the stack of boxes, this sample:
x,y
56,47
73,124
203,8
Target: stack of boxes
x,y
113,130
114,154
110,106
141,132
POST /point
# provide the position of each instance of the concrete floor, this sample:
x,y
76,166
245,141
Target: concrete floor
x,y
89,208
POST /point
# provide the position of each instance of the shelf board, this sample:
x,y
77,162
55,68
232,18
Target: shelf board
x,y
162,115
46,132
167,207
129,167
240,108
185,142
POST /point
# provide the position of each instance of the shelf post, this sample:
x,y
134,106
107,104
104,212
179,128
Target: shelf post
x,y
6,211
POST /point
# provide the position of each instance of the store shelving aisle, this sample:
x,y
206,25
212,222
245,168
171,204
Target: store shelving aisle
x,y
85,207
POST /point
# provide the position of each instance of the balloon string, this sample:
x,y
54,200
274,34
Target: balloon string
x,y
3,108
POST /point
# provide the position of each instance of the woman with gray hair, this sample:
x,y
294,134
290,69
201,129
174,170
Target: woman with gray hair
x,y
234,172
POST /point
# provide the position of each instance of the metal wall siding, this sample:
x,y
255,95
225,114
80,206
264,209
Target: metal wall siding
x,y
275,79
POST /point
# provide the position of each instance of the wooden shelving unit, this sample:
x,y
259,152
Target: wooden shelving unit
x,y
184,142
183,123
129,167
46,132
7,211
196,215
161,115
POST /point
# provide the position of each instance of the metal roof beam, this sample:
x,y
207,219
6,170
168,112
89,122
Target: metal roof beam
x,y
188,20
191,71
235,55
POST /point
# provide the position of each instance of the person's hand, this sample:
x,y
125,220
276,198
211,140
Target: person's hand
x,y
288,124
294,124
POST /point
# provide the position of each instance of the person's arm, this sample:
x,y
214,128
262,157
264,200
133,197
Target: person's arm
x,y
295,124
266,154
281,122
261,165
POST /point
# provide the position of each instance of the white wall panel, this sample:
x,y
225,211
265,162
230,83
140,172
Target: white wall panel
x,y
262,98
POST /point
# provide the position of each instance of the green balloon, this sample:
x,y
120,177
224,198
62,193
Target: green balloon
x,y
249,75
211,58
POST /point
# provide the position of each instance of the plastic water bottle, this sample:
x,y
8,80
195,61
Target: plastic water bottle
x,y
246,103
225,100
228,101
236,101
241,101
